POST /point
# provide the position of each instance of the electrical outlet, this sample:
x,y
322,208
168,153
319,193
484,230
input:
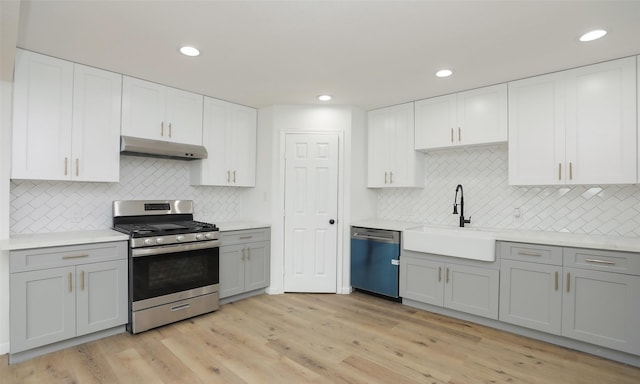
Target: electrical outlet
x,y
517,214
76,214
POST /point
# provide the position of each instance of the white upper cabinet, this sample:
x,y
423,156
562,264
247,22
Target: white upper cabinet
x,y
575,127
229,134
66,120
154,111
478,116
95,143
392,160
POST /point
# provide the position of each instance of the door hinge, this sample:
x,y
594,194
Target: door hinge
x,y
395,261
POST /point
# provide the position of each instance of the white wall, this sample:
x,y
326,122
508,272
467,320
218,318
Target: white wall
x,y
273,123
612,210
9,11
56,206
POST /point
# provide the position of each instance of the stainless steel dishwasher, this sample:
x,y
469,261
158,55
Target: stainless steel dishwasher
x,y
375,260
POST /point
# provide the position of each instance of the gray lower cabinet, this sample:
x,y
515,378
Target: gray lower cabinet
x,y
461,287
583,294
59,293
602,308
531,286
244,261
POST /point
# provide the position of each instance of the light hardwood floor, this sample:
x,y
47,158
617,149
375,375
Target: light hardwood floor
x,y
316,338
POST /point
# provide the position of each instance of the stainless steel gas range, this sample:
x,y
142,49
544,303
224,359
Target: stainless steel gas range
x,y
173,261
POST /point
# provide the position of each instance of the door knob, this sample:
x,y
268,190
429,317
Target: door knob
x,y
332,221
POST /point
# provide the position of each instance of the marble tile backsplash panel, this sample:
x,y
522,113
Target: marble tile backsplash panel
x,y
491,202
53,206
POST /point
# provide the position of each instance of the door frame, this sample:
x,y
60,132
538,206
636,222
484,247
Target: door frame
x,y
341,202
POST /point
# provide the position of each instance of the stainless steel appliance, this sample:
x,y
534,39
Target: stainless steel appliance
x,y
375,260
173,262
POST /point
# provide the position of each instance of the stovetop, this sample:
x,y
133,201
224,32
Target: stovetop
x,y
165,228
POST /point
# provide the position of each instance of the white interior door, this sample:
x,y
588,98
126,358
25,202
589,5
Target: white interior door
x,y
311,209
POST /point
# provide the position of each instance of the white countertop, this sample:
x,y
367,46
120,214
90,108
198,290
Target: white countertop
x,y
239,225
616,243
54,239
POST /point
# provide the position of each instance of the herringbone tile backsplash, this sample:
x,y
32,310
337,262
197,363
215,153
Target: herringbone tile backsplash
x,y
54,206
491,202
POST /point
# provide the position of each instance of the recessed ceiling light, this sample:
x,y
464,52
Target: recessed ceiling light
x,y
324,97
189,51
444,73
593,35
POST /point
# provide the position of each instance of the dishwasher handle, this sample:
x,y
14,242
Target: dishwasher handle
x,y
372,237
385,236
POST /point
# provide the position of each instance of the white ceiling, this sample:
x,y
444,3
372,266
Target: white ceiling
x,y
364,53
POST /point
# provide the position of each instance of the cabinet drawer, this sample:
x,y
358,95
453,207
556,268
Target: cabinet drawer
x,y
534,253
613,261
50,257
245,236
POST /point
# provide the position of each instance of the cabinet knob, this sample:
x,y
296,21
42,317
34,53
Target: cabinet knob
x,y
332,221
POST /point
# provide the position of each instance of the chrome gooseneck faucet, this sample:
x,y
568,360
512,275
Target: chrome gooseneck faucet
x,y
463,221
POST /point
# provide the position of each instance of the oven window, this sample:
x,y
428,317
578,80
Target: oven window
x,y
159,275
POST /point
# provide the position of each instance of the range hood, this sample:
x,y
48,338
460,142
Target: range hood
x,y
164,149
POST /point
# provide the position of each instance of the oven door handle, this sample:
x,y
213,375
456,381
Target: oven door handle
x,y
150,251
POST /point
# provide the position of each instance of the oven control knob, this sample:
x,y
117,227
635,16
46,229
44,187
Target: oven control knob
x,y
199,236
149,242
208,235
179,238
159,240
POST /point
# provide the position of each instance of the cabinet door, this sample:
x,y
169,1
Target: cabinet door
x,y
472,290
183,121
42,105
378,148
229,133
232,275
102,296
536,131
400,139
436,122
241,150
213,169
602,308
256,266
531,295
43,307
482,115
601,123
96,125
143,109
421,280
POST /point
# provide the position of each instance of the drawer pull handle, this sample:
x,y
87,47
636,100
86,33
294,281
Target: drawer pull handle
x,y
529,254
439,274
447,276
570,171
82,280
70,282
74,256
568,281
600,261
559,171
245,237
180,307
